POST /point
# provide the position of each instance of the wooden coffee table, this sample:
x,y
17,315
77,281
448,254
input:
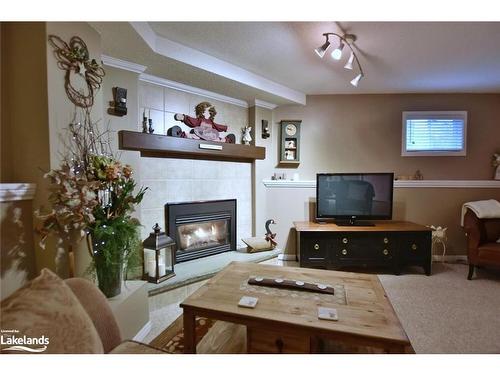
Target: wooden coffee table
x,y
286,321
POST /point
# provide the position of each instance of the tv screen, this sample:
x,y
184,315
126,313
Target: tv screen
x,y
354,196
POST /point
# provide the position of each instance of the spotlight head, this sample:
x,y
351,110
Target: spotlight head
x,y
337,52
348,64
356,80
320,51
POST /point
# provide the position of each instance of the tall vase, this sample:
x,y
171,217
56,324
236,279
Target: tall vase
x,y
109,275
108,266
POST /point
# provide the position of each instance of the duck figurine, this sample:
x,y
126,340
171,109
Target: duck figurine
x,y
269,234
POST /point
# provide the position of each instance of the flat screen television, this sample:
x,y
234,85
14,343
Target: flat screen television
x,y
347,198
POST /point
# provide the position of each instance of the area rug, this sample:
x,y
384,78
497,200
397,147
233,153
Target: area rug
x,y
172,338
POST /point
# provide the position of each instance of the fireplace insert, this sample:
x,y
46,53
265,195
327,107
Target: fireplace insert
x,y
201,228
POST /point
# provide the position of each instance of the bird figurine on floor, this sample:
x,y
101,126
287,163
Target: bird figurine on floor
x,y
270,235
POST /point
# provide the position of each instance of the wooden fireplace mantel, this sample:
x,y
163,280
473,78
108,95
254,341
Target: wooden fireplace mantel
x,y
163,146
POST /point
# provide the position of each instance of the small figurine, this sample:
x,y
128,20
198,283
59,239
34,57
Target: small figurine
x,y
256,244
150,121
269,235
418,175
247,137
439,236
144,122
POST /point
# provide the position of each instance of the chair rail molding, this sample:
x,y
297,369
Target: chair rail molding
x,y
17,192
472,184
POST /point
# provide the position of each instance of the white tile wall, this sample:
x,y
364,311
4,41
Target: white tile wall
x,y
179,180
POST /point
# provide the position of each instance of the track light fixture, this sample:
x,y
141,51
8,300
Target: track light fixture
x,y
348,64
346,39
337,52
320,51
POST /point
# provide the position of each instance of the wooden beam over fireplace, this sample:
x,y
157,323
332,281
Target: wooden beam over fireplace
x,y
163,146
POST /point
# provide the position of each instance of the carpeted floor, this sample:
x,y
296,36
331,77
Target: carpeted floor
x,y
446,313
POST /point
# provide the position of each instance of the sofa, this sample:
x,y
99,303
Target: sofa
x,y
51,315
483,248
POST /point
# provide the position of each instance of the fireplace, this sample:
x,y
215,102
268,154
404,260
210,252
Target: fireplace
x,y
201,228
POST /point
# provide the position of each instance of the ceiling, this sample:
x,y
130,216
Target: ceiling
x,y
397,57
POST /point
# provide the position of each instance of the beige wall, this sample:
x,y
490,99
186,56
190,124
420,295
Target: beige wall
x,y
261,167
362,133
24,144
350,133
36,109
60,114
130,81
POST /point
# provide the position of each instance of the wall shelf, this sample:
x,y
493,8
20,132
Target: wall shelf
x,y
473,184
163,146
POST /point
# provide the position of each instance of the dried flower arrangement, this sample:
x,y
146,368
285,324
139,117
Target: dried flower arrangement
x,y
92,195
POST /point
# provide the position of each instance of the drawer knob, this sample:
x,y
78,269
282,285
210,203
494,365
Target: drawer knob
x,y
414,247
316,246
386,252
386,240
344,240
344,252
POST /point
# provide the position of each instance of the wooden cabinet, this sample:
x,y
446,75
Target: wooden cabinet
x,y
390,244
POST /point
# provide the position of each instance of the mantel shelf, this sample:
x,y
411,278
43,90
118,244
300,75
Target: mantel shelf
x,y
163,146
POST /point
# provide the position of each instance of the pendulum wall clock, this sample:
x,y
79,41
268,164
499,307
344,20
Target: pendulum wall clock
x,y
290,142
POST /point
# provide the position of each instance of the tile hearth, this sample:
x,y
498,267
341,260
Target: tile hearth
x,y
203,268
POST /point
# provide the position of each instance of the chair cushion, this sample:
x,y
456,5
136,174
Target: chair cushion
x,y
97,307
46,309
489,251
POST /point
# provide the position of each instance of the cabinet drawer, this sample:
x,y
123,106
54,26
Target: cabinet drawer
x,y
365,246
265,341
415,246
315,248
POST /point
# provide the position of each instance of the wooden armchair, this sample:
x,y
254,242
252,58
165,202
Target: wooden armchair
x,y
482,246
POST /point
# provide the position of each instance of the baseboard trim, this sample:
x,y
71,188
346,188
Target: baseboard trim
x,y
143,332
450,258
287,257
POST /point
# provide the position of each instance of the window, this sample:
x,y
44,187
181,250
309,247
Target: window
x,y
434,133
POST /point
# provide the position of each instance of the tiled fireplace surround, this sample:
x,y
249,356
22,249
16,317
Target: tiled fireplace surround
x,y
181,180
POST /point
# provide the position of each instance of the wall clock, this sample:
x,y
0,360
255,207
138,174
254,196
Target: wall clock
x,y
290,142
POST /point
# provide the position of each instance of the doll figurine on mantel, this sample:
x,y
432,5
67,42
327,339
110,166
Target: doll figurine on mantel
x,y
203,125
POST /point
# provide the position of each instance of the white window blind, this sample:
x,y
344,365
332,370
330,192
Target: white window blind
x,y
434,133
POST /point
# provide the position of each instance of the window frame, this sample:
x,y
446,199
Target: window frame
x,y
424,114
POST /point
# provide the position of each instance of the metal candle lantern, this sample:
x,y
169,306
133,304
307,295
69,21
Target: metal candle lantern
x,y
159,256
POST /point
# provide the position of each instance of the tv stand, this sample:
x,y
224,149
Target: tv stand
x,y
388,243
